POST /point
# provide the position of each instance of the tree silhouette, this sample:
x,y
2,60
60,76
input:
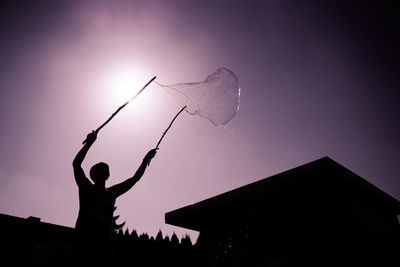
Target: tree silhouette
x,y
134,235
174,240
117,227
167,240
186,242
159,236
144,237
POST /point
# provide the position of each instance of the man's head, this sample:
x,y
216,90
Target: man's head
x,y
99,173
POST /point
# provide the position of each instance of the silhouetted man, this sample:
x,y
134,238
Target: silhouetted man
x,y
94,225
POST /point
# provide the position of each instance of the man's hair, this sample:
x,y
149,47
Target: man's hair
x,y
99,171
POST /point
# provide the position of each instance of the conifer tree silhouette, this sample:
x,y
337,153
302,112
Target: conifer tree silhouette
x,y
134,235
159,236
185,241
117,227
174,240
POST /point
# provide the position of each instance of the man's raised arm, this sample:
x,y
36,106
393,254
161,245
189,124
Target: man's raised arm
x,y
123,187
79,174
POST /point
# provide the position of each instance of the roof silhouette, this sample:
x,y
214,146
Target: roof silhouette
x,y
318,179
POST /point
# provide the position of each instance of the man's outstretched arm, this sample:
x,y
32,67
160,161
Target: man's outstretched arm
x,y
123,187
79,174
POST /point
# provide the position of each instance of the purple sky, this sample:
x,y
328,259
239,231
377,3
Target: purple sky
x,y
316,79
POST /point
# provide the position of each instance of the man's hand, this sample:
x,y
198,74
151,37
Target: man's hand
x,y
91,137
150,155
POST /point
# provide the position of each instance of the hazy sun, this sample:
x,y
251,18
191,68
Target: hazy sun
x,y
118,83
123,82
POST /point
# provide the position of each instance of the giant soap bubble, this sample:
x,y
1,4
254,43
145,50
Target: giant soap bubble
x,y
216,98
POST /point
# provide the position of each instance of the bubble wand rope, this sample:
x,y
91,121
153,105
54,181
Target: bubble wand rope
x,y
176,90
121,107
169,126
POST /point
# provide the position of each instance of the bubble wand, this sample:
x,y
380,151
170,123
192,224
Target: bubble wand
x,y
121,107
169,126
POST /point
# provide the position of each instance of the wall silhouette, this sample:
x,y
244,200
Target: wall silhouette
x,y
30,242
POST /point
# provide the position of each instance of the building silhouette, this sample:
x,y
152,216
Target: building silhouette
x,y
318,214
30,242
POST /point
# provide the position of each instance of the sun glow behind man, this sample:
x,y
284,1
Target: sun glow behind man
x,y
123,81
116,84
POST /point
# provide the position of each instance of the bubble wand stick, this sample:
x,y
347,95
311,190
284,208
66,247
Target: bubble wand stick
x,y
169,126
121,107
